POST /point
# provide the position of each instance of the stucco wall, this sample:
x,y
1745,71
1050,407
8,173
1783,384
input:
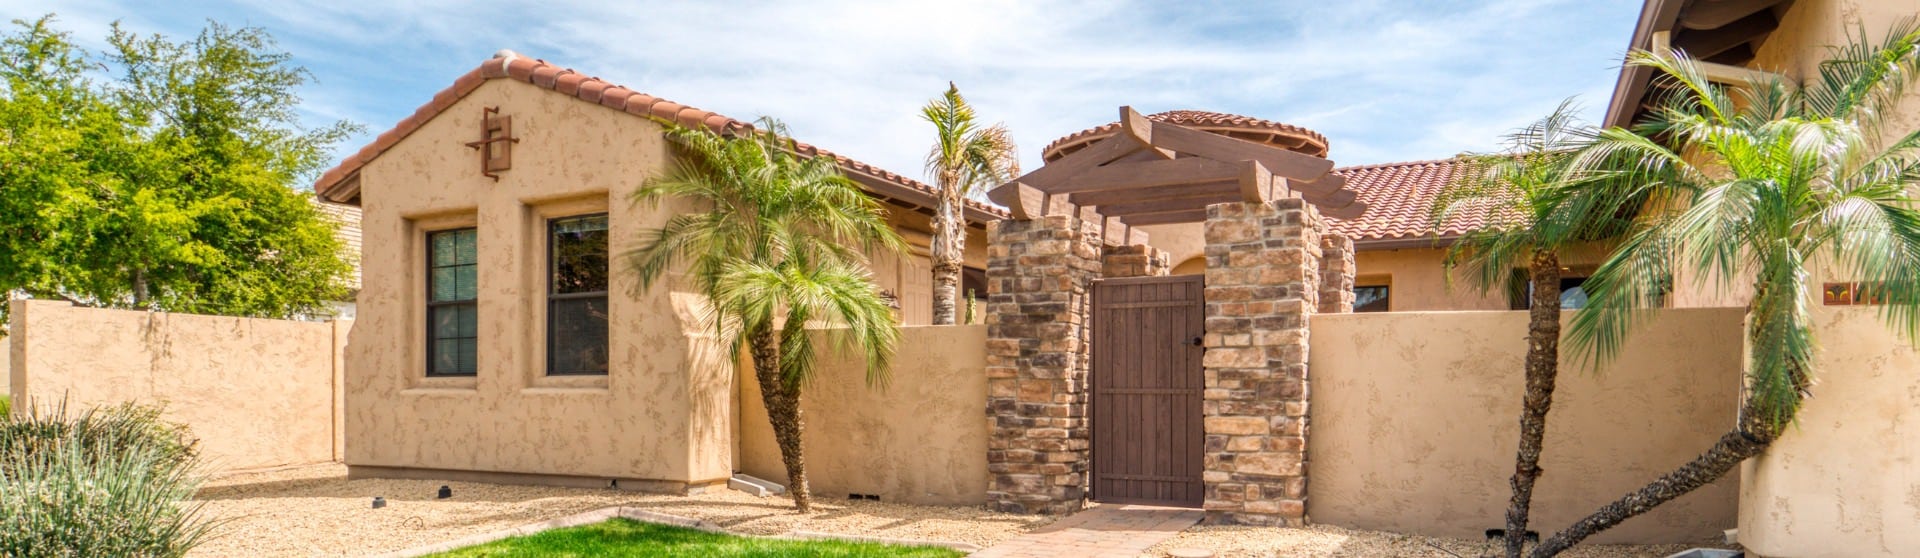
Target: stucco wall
x,y
920,440
1415,423
1843,481
257,393
661,414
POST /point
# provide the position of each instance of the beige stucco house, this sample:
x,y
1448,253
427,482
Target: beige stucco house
x,y
493,317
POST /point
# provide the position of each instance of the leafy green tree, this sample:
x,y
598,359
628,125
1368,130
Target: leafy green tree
x,y
965,158
777,249
1531,207
161,175
1763,182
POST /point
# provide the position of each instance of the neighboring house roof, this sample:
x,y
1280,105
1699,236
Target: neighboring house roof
x,y
1399,198
1718,31
341,184
346,220
1257,130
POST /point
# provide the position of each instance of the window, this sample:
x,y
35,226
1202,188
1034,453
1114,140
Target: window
x,y
452,315
1573,293
577,296
1371,298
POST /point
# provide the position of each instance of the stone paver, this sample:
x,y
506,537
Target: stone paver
x,y
1103,531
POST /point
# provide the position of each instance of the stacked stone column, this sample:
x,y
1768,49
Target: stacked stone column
x,y
1262,284
1135,260
1336,274
1039,275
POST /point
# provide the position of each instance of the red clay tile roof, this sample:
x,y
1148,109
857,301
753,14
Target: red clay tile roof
x,y
1399,198
331,184
1278,134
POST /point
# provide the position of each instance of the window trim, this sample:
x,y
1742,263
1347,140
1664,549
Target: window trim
x,y
432,305
552,258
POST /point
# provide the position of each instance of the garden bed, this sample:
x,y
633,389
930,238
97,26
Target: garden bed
x,y
622,537
1336,542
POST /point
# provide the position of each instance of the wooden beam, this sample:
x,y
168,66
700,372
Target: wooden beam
x,y
1023,202
1227,190
1101,152
1190,216
1351,211
1113,231
1705,43
1256,184
1335,200
1714,14
1167,206
1149,174
1138,127
1136,237
1221,148
1325,185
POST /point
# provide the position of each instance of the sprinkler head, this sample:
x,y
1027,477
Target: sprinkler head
x,y
445,492
379,502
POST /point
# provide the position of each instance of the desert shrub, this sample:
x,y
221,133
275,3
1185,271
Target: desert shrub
x,y
105,482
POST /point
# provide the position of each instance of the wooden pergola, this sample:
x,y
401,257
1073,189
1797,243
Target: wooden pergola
x,y
1156,173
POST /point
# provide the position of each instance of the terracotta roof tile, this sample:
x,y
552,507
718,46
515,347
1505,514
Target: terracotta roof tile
x,y
331,184
1399,198
1232,125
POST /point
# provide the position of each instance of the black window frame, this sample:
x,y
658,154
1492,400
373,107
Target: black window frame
x,y
1387,298
434,306
552,261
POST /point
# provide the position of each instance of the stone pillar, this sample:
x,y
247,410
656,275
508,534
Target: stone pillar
x,y
1039,276
1262,284
1135,260
1336,274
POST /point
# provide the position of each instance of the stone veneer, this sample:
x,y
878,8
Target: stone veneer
x,y
1135,260
1336,274
1262,284
1039,276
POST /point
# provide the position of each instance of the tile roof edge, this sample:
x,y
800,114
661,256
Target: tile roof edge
x,y
543,74
1424,162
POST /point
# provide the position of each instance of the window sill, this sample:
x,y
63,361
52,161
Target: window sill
x,y
574,382
537,391
452,384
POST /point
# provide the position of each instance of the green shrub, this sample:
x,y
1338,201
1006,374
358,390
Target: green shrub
x,y
6,407
105,482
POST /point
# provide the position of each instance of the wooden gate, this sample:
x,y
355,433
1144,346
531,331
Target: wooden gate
x,y
1146,387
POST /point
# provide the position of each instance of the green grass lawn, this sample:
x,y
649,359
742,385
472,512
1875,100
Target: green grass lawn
x,y
625,537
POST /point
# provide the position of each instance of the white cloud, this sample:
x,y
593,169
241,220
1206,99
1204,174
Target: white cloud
x,y
1383,80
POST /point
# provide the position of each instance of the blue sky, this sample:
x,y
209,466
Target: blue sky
x,y
1384,81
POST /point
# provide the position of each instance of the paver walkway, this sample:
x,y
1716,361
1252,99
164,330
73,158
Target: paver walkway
x,y
1109,530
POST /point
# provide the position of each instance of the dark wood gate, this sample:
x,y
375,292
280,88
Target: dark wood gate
x,y
1146,386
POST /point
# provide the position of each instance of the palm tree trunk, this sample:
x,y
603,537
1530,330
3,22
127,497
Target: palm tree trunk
x,y
1749,439
949,242
783,411
1542,367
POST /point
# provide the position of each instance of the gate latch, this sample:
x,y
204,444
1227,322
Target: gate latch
x,y
1198,342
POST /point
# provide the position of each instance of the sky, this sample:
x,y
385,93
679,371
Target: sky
x,y
1385,81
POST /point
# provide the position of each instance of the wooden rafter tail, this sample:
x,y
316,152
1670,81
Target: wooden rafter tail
x,y
1348,212
1114,231
1328,202
1023,202
1325,185
1256,184
1136,237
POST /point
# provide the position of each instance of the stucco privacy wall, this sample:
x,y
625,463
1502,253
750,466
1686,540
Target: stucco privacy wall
x,y
1414,423
920,439
257,393
1843,481
661,414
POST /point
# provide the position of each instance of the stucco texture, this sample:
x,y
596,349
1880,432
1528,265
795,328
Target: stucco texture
x,y
659,415
257,393
922,439
1415,423
1842,480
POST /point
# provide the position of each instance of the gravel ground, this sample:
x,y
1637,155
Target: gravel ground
x,y
1330,541
316,511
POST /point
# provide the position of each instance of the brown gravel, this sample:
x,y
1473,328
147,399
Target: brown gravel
x,y
316,511
1330,541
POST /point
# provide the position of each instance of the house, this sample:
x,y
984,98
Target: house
x,y
466,342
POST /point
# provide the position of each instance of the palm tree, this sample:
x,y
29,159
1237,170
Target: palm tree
x,y
1530,211
965,158
1766,184
778,249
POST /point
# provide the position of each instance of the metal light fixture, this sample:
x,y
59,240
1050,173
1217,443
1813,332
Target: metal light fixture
x,y
445,492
